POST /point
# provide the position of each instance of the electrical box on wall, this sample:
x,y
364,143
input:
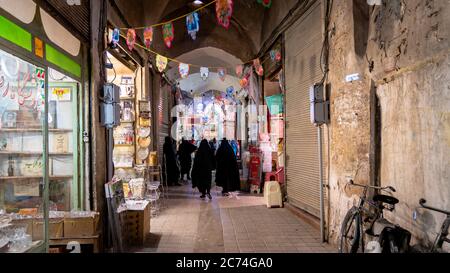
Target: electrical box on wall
x,y
319,106
110,107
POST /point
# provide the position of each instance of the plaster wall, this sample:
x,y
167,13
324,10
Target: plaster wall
x,y
405,54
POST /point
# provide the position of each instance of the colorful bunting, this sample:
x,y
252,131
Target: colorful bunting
x,y
204,73
265,3
244,81
222,72
131,39
168,34
148,36
239,70
184,70
275,55
258,67
193,24
230,91
224,10
161,63
115,36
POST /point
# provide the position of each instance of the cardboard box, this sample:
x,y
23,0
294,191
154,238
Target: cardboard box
x,y
81,227
55,229
137,225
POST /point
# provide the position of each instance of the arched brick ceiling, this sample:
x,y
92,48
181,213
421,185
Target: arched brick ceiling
x,y
242,39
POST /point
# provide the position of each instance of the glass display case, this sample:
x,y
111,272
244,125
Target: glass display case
x,y
39,152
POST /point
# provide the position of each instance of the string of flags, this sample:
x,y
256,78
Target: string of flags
x,y
224,12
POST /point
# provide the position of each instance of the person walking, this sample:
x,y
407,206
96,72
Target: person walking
x,y
185,151
171,166
201,171
227,171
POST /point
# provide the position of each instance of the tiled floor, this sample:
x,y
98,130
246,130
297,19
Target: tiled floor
x,y
243,224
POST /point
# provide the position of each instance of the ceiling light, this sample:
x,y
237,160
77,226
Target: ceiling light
x,y
198,2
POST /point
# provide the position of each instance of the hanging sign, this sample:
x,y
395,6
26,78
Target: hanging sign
x,y
131,39
204,73
224,10
148,36
265,3
258,67
184,70
115,36
222,72
193,24
168,34
161,63
239,70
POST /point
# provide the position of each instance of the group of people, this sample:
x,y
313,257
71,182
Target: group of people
x,y
206,160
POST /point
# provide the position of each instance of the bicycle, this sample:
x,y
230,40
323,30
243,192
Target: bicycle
x,y
441,238
352,229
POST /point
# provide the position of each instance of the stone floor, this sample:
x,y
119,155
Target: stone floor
x,y
232,225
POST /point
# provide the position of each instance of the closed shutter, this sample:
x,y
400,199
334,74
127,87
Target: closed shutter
x,y
163,118
303,44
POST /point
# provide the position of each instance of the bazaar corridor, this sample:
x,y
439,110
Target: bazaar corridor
x,y
242,225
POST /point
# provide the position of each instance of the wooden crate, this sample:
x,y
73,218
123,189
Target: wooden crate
x,y
81,227
137,226
55,229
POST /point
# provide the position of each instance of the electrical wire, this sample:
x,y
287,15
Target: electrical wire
x,y
115,74
324,53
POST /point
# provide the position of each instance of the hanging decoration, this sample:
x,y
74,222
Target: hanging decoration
x,y
275,55
131,39
204,73
148,36
168,34
230,91
224,10
184,70
222,72
161,62
244,82
193,24
115,37
239,70
258,67
265,3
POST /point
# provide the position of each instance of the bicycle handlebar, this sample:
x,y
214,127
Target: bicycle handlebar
x,y
351,182
422,204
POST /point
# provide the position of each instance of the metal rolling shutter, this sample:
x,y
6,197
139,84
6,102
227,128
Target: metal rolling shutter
x,y
303,48
163,118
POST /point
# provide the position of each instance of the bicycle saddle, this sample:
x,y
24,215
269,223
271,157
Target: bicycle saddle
x,y
385,199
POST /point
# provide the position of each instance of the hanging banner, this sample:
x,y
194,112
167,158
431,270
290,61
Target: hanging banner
x,y
184,70
193,24
224,10
148,36
230,91
115,36
275,55
265,3
131,39
204,73
168,34
258,67
222,72
161,63
239,70
244,81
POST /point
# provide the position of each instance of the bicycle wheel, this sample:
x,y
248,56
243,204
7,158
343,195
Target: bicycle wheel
x,y
350,235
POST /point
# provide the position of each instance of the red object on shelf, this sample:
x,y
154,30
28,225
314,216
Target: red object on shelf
x,y
279,175
255,166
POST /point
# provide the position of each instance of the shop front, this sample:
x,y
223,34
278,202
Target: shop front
x,y
44,199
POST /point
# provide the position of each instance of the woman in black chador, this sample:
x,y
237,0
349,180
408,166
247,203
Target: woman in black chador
x,y
172,171
201,171
184,154
227,171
